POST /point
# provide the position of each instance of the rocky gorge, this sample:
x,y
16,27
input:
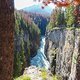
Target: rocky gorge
x,y
48,45
39,45
63,50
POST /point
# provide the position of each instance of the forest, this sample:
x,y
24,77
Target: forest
x,y
36,44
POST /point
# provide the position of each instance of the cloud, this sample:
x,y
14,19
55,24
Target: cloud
x,y
51,5
19,4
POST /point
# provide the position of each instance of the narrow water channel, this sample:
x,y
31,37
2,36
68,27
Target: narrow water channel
x,y
40,60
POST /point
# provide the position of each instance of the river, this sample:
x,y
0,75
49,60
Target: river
x,y
40,60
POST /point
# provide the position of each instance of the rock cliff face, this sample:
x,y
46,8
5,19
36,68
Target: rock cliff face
x,y
63,50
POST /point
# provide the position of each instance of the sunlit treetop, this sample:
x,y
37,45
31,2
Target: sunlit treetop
x,y
60,3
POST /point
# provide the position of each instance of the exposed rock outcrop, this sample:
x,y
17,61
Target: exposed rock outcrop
x,y
36,73
63,49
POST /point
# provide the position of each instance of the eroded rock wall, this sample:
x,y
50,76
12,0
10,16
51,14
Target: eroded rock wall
x,y
62,48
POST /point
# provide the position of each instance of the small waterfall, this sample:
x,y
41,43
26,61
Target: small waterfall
x,y
40,60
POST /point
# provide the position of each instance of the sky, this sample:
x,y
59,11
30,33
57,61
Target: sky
x,y
20,4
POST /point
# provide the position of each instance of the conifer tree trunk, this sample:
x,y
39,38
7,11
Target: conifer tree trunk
x,y
6,39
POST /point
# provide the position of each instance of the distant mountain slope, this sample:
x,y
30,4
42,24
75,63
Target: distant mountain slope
x,y
39,19
37,9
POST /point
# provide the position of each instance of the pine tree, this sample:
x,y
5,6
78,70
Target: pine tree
x,y
77,16
61,18
70,16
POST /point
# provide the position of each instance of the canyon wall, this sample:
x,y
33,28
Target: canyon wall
x,y
63,50
26,41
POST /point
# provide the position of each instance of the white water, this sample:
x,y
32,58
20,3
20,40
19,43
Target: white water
x,y
40,60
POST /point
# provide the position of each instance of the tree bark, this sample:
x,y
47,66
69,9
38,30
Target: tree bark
x,y
6,39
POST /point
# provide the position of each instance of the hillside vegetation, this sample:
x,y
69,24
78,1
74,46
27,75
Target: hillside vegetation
x,y
26,39
64,18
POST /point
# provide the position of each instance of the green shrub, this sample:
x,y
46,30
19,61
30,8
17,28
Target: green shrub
x,y
43,74
55,77
24,77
